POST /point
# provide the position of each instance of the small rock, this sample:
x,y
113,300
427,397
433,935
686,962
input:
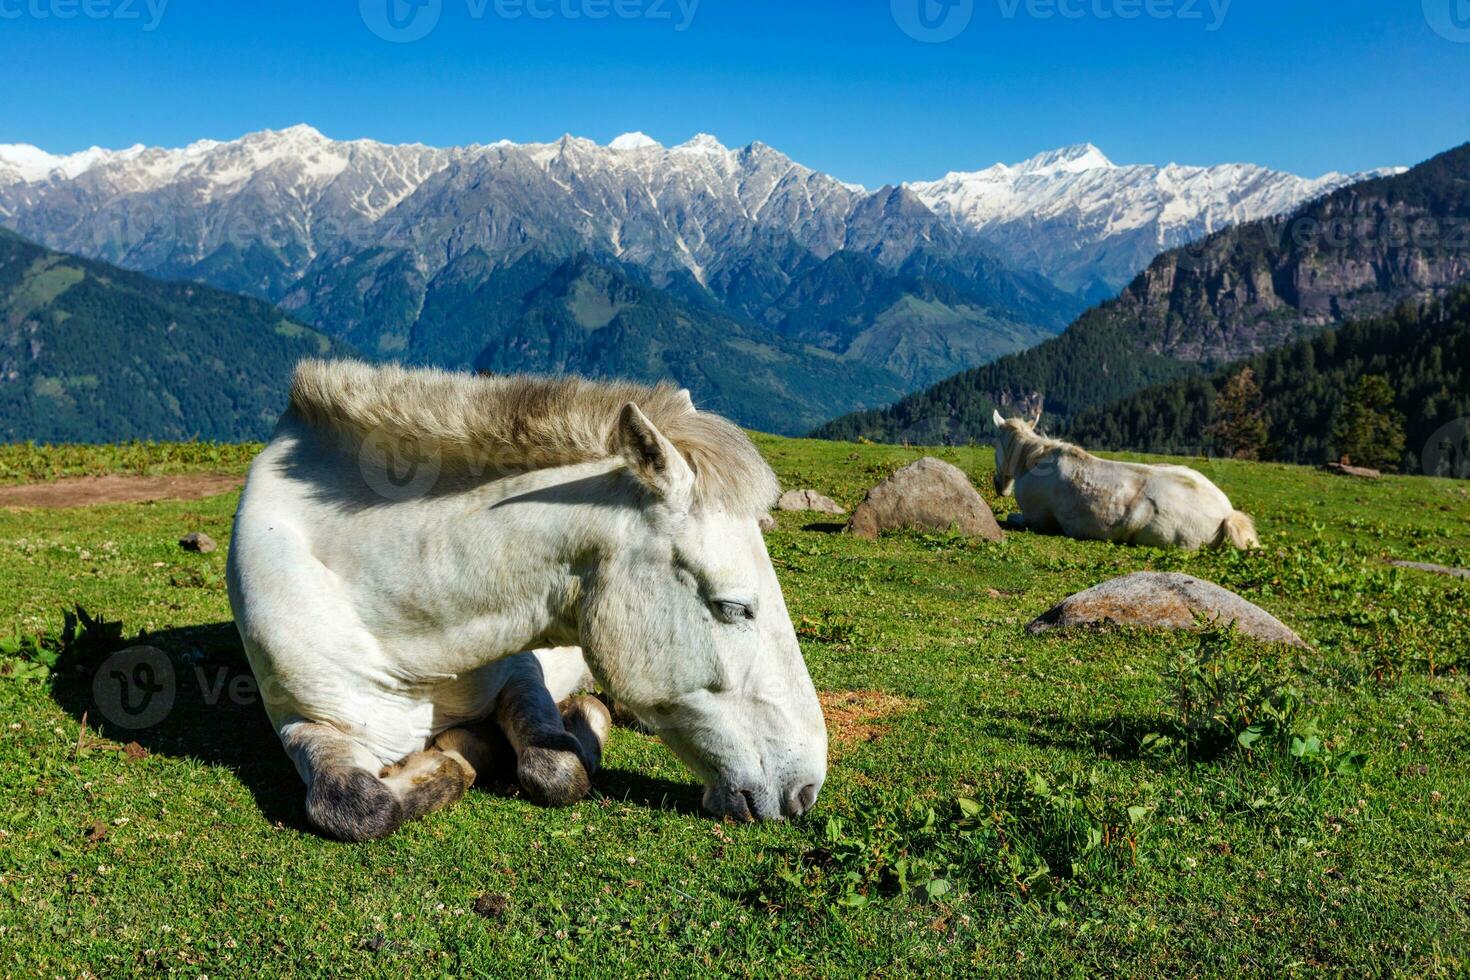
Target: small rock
x,y
808,500
929,494
1163,600
134,752
767,523
197,541
96,832
491,906
1421,566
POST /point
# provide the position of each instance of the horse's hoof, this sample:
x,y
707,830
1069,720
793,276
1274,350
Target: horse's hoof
x,y
553,775
587,714
353,805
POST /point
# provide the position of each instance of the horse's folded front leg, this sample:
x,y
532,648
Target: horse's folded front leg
x,y
348,796
557,751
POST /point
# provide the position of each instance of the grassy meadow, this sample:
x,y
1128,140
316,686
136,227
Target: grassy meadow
x,y
1124,802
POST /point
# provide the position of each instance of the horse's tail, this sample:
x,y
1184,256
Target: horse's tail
x,y
1238,530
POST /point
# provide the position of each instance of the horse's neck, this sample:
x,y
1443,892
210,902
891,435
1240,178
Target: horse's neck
x,y
513,549
1027,449
557,514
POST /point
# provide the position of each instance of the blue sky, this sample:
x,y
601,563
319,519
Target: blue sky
x,y
1304,85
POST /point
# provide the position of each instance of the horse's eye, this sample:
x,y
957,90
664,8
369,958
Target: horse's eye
x,y
733,612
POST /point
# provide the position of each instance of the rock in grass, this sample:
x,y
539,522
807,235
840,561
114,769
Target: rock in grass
x,y
1347,469
930,494
197,541
808,500
1424,566
1163,600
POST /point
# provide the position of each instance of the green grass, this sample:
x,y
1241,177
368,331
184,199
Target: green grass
x,y
1074,824
26,462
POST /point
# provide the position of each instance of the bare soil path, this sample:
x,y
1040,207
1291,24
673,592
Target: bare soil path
x,y
85,491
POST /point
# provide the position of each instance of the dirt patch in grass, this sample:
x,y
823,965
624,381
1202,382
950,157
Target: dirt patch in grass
x,y
857,717
85,491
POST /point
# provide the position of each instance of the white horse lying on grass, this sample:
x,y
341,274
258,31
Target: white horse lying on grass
x,y
1062,489
406,530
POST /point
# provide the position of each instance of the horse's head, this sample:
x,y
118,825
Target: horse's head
x,y
684,623
1009,436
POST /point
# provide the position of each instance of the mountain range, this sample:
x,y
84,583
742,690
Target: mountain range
x,y
431,255
1355,253
1090,225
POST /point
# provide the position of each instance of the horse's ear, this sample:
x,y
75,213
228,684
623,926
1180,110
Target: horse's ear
x,y
652,458
995,416
687,399
1037,421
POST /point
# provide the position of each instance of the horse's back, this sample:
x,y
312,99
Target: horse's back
x,y
1160,505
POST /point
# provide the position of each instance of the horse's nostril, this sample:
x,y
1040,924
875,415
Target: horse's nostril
x,y
802,800
751,813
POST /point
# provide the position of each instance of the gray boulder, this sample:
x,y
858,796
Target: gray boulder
x,y
808,500
929,494
1163,600
197,541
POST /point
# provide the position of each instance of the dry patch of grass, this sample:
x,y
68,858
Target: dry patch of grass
x,y
857,717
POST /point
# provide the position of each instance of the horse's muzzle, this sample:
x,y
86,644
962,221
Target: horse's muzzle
x,y
749,804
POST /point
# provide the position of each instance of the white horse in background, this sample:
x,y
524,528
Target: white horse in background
x,y
406,531
1063,489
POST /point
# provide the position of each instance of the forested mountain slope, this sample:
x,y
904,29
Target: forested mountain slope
x,y
93,353
1306,389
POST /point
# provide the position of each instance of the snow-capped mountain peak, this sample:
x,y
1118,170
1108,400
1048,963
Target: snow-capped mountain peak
x,y
31,163
702,143
1091,225
1068,160
635,141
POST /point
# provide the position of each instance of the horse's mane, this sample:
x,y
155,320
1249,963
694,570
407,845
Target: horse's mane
x,y
1033,445
529,422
